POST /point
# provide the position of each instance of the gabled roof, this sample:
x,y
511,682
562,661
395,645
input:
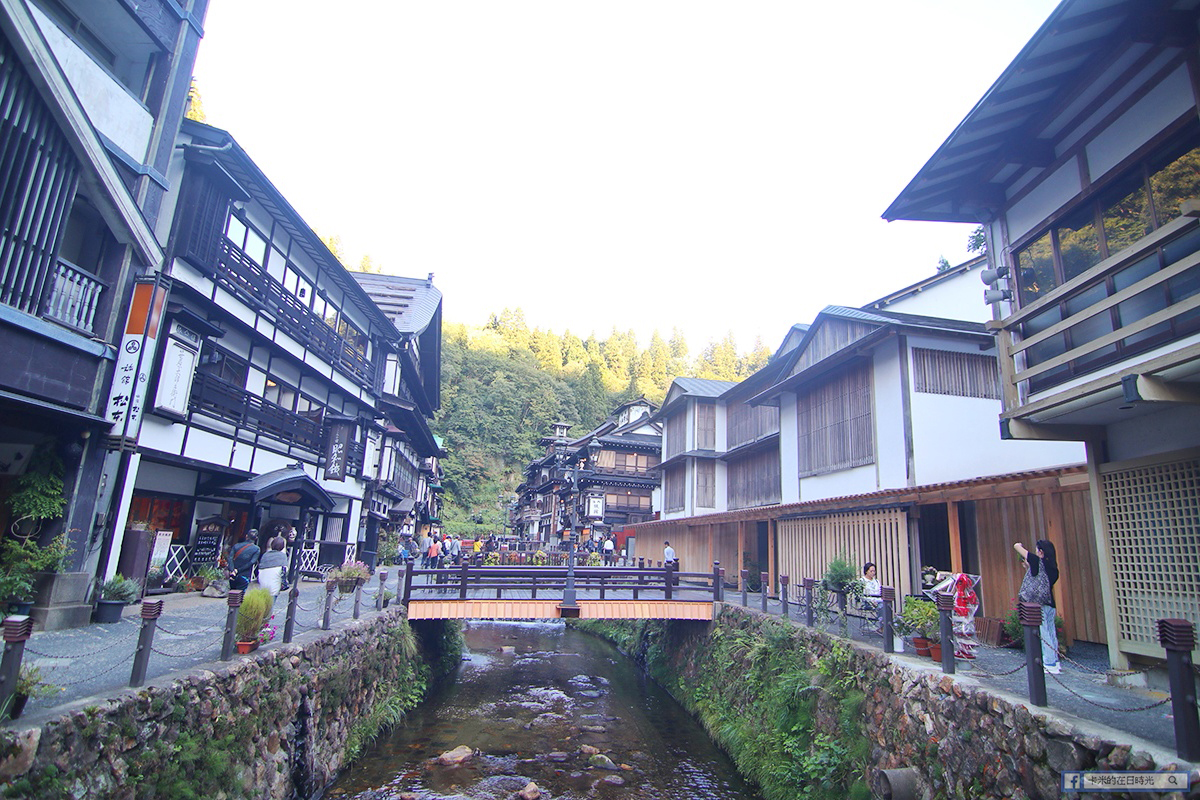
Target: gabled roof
x,y
699,387
410,303
873,328
290,479
928,283
1016,125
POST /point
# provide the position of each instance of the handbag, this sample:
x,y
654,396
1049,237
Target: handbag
x,y
1035,588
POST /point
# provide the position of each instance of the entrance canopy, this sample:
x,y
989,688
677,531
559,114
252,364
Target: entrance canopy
x,y
288,486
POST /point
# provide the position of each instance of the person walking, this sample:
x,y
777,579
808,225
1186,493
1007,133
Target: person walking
x,y
610,552
1041,573
271,567
669,554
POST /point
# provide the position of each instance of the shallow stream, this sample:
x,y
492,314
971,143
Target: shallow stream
x,y
533,699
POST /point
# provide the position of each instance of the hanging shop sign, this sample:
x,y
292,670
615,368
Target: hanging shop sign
x,y
127,398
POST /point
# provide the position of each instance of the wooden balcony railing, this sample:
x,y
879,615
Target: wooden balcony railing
x,y
229,403
74,297
242,276
1133,301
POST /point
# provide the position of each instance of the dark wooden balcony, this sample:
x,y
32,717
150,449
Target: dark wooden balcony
x,y
251,284
228,403
1105,322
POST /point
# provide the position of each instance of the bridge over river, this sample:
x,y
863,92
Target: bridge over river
x,y
527,592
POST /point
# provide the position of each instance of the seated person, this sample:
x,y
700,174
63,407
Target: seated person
x,y
872,591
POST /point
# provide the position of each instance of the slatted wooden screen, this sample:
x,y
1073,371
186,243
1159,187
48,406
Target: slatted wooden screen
x,y
706,426
807,545
1066,520
834,422
675,434
1153,516
706,483
745,423
958,374
754,480
674,487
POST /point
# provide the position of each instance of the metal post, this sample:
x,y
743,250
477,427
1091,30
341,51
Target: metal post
x,y
569,590
408,580
1178,636
763,581
721,582
668,572
745,588
809,616
151,611
945,606
358,587
888,595
232,600
383,576
289,625
17,630
716,581
783,595
329,587
1030,615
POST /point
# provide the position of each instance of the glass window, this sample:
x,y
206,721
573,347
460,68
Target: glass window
x,y
280,394
353,337
1093,327
1078,244
256,247
1125,214
1035,269
1142,304
220,364
1175,182
236,231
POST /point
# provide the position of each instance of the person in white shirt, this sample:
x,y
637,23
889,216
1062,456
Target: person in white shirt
x,y
669,554
610,553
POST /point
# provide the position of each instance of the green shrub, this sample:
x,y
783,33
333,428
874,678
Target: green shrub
x,y
120,588
253,612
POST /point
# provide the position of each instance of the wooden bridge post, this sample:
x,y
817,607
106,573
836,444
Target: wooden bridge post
x,y
408,578
765,585
601,587
721,583
670,580
745,588
716,581
641,579
783,595
383,576
330,585
462,581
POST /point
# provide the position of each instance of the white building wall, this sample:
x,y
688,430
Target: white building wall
x,y
959,297
789,459
891,460
1054,191
858,480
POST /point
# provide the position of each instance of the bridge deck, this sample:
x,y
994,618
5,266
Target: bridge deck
x,y
480,608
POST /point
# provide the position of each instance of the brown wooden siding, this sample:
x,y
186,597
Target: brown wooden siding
x,y
675,434
831,337
754,480
957,374
835,422
706,426
744,423
706,484
1063,518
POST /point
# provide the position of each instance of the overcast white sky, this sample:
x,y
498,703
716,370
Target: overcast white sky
x,y
644,164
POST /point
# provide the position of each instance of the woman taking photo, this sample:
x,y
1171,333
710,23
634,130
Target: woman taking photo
x,y
1041,573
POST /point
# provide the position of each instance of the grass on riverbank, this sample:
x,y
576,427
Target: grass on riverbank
x,y
791,720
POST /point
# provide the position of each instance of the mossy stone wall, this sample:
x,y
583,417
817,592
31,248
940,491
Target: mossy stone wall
x,y
277,724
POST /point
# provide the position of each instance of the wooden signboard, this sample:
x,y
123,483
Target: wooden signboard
x,y
207,548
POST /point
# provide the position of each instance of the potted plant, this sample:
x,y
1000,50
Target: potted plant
x,y
540,558
39,494
593,560
919,619
349,575
252,615
20,561
840,574
29,684
388,596
115,593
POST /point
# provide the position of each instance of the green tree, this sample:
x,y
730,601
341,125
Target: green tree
x,y
195,105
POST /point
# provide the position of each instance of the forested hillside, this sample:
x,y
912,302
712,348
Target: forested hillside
x,y
505,384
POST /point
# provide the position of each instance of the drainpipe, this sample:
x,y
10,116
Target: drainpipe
x,y
897,784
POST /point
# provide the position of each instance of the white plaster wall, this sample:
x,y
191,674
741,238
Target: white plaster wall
x,y
1158,108
789,458
959,297
957,438
1052,193
153,477
161,434
858,480
111,109
891,466
205,446
1172,428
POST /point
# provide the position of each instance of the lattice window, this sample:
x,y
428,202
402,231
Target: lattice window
x,y
706,426
673,488
958,374
706,484
835,424
1153,518
176,567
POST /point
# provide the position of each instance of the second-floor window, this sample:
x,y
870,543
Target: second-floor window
x,y
706,426
674,488
835,422
1141,201
219,364
706,484
675,434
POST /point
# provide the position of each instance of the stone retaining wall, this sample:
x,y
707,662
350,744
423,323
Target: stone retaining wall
x,y
964,740
275,724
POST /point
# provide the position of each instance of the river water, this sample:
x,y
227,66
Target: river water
x,y
527,698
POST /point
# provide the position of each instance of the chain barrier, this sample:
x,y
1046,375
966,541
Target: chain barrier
x,y
1059,681
215,625
976,667
74,656
208,645
93,676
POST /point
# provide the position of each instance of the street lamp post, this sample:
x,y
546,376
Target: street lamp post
x,y
569,600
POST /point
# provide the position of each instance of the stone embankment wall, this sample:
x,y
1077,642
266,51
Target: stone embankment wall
x,y
278,724
797,708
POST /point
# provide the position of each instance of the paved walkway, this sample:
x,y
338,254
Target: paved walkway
x,y
96,661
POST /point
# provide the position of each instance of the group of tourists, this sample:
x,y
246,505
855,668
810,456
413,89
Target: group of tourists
x,y
436,550
248,562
